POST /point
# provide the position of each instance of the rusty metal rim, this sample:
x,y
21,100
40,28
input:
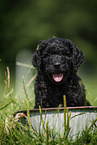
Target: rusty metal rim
x,y
69,108
62,108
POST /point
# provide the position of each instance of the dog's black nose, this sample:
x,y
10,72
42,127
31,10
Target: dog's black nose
x,y
57,64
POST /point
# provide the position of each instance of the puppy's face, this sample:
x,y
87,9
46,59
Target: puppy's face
x,y
57,58
56,63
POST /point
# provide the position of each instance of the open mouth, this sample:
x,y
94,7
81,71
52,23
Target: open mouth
x,y
58,77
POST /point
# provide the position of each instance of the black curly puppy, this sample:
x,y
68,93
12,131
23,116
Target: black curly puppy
x,y
57,61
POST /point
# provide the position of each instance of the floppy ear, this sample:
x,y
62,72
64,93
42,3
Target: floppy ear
x,y
37,56
77,55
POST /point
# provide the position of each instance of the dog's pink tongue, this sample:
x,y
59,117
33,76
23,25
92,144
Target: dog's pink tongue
x,y
58,77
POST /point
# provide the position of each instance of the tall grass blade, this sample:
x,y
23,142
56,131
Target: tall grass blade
x,y
31,81
64,99
25,88
42,118
91,125
25,65
8,77
5,105
28,113
47,133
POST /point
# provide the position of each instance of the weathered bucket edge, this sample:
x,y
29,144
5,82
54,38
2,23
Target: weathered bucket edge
x,y
61,108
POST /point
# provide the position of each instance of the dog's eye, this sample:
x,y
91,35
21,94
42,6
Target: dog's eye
x,y
68,54
46,55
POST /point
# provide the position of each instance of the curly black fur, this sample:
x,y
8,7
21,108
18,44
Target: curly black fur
x,y
57,61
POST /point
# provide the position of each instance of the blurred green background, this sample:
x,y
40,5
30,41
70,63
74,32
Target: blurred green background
x,y
24,23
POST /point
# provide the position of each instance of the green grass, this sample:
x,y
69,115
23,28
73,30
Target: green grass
x,y
15,133
91,90
90,83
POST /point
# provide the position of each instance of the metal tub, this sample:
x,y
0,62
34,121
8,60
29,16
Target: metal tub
x,y
81,119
